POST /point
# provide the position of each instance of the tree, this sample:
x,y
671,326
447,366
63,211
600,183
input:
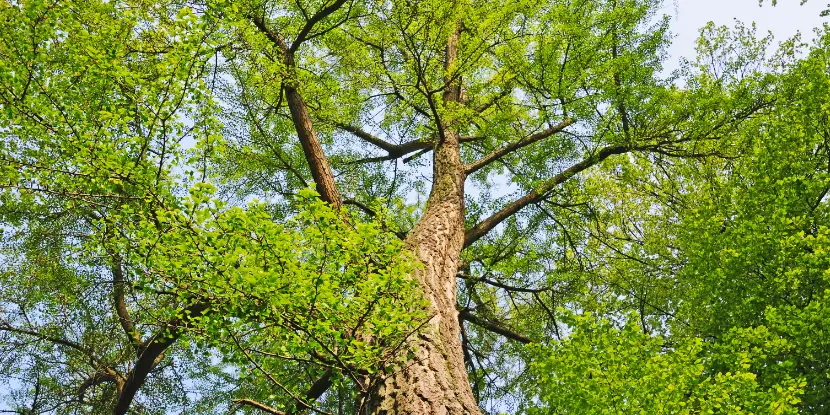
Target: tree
x,y
159,236
737,255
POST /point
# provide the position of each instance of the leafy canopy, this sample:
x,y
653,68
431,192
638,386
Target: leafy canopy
x,y
659,240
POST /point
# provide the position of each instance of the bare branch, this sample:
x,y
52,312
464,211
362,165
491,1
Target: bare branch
x,y
97,378
472,168
395,151
667,147
501,285
505,92
257,405
497,328
416,155
538,194
378,142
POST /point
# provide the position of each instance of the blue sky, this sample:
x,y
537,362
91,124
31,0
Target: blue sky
x,y
784,20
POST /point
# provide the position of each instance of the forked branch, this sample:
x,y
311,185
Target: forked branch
x,y
312,149
497,328
310,23
394,151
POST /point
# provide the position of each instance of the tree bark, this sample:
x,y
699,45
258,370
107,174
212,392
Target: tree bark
x,y
435,381
316,159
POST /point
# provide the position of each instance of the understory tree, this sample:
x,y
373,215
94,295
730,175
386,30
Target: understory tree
x,y
447,207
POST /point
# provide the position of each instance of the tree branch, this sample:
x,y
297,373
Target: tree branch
x,y
56,340
317,389
309,25
662,147
505,92
300,402
538,194
315,156
152,352
97,378
121,305
501,285
497,328
394,151
478,164
275,38
257,405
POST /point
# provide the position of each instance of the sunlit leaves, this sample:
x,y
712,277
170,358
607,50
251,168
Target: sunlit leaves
x,y
604,369
319,282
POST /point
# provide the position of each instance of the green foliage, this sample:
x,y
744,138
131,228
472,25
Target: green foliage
x,y
732,251
153,192
602,369
316,284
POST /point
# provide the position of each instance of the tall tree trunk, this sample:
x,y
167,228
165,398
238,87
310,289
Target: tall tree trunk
x,y
435,381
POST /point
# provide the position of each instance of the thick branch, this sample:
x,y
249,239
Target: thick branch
x,y
121,305
394,151
310,23
618,84
277,39
452,84
472,168
97,378
538,194
152,353
313,151
317,389
315,157
497,328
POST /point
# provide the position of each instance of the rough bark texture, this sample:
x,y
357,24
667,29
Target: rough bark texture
x,y
435,381
316,159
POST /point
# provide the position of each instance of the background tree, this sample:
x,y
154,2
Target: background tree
x,y
735,256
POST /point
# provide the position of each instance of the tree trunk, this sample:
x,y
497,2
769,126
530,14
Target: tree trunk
x,y
435,381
